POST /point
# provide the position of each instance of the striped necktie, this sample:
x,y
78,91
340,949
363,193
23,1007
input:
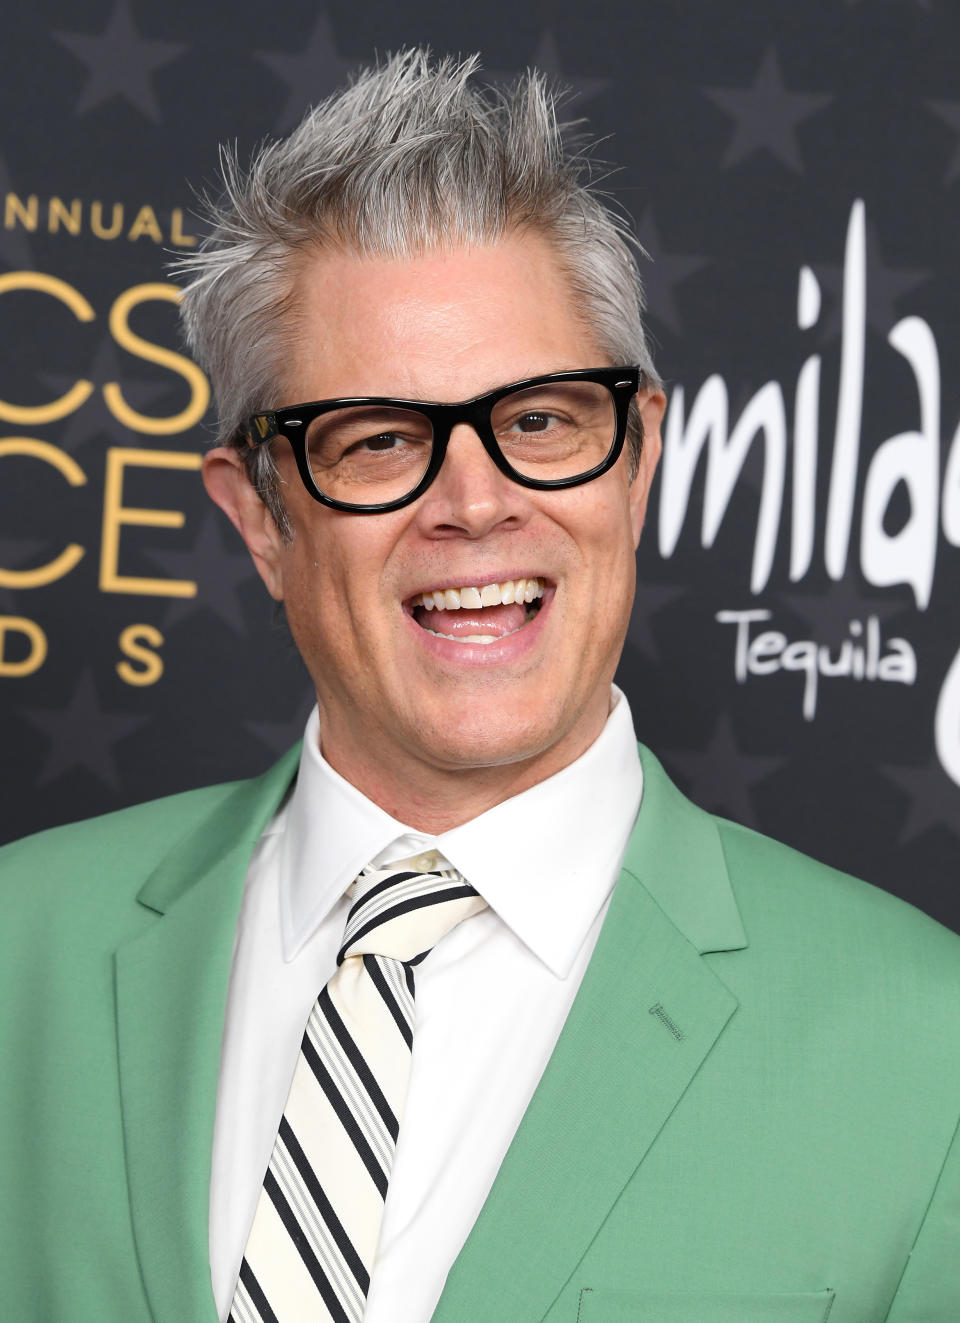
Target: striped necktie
x,y
314,1235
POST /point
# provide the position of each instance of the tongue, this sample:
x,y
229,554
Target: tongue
x,y
495,620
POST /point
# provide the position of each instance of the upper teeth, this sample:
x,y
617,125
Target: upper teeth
x,y
491,594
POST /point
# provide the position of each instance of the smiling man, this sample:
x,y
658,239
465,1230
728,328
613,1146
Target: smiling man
x,y
424,660
461,1012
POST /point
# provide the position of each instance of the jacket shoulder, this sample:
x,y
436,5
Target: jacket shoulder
x,y
99,864
782,891
141,829
73,893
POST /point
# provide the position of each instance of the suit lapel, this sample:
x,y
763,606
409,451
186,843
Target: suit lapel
x,y
647,1014
171,995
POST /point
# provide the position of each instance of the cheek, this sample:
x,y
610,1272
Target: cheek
x,y
610,579
309,593
331,579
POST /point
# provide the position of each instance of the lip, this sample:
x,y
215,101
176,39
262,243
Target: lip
x,y
503,652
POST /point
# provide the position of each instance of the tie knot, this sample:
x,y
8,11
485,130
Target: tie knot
x,y
403,910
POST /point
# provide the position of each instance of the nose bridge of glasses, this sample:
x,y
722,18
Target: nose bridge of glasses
x,y
470,417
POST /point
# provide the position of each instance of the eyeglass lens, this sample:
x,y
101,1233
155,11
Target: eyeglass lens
x,y
363,454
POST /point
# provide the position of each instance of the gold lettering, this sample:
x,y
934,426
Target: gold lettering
x,y
96,220
14,211
177,235
116,514
58,214
132,642
74,474
29,414
145,222
38,645
120,329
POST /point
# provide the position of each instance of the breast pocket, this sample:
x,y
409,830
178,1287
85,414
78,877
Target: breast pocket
x,y
602,1306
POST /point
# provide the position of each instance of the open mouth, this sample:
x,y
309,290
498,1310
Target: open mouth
x,y
482,614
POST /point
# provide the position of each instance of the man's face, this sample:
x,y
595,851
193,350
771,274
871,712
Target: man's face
x,y
399,703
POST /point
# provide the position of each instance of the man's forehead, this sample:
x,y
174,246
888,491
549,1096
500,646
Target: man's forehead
x,y
445,324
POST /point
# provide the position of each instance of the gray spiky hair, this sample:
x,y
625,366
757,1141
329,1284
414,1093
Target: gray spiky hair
x,y
410,156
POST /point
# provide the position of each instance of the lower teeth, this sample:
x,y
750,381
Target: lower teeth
x,y
480,638
471,638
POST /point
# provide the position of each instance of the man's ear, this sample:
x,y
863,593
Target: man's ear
x,y
652,405
228,485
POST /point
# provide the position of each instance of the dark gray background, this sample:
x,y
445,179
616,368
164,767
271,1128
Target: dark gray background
x,y
743,134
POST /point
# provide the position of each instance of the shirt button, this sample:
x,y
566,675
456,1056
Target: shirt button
x,y
427,861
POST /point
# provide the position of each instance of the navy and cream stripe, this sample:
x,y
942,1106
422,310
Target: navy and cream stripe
x,y
312,1244
399,895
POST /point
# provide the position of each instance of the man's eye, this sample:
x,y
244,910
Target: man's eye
x,y
534,422
385,441
381,443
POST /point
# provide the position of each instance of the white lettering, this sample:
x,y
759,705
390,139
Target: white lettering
x,y
907,462
947,722
806,409
875,658
742,620
726,456
802,656
950,510
846,441
912,458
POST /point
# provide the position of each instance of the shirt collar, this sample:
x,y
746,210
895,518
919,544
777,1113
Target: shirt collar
x,y
545,860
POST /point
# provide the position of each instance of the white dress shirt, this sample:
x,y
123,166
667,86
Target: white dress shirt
x,y
491,997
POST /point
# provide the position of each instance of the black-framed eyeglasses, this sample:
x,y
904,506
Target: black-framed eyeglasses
x,y
373,454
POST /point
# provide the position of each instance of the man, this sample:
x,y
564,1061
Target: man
x,y
645,1065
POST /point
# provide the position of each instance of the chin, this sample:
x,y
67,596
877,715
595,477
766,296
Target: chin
x,y
491,739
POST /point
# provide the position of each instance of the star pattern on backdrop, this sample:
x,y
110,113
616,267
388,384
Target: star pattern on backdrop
x,y
15,249
828,614
766,115
310,75
933,799
720,776
218,571
82,735
663,272
120,63
547,59
649,600
949,112
93,419
886,285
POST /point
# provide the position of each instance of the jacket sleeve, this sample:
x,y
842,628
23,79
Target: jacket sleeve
x,y
929,1289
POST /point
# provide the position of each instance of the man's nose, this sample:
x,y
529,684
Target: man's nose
x,y
470,496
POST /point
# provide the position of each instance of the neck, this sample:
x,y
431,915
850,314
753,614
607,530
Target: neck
x,y
433,798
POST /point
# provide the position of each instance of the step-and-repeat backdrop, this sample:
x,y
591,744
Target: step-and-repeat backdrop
x,y
794,174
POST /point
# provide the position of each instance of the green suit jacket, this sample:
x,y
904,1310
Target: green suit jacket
x,y
749,1117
